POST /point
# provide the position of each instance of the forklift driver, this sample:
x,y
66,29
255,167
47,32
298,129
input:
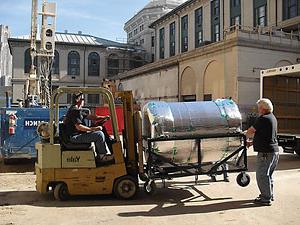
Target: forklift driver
x,y
77,131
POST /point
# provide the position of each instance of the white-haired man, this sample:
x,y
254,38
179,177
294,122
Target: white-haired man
x,y
265,143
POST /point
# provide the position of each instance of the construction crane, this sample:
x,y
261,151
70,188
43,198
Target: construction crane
x,y
38,84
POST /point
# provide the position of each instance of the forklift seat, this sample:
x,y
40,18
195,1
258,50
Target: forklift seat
x,y
67,145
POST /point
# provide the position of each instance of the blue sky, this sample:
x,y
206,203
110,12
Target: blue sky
x,y
102,18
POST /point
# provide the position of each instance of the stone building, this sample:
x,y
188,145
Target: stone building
x,y
5,64
80,61
137,28
208,49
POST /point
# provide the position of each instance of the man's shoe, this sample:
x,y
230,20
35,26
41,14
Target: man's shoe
x,y
260,201
272,198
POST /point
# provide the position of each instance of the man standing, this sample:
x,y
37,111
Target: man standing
x,y
265,143
79,133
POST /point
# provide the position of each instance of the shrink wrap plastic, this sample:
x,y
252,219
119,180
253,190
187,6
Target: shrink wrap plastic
x,y
192,119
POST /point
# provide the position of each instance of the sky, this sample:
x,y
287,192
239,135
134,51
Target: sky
x,y
101,18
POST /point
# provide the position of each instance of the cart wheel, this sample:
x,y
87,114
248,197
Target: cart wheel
x,y
150,187
126,187
143,177
61,192
243,179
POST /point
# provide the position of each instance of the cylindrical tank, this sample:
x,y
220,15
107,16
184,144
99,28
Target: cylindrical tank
x,y
191,119
186,119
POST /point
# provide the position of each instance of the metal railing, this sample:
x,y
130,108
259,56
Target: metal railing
x,y
270,34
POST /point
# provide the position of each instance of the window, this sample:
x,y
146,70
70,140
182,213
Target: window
x,y
162,43
184,34
94,64
55,67
172,39
235,12
198,27
152,41
142,27
215,20
236,3
112,65
189,98
93,99
142,41
27,61
291,8
136,62
130,35
74,63
260,11
207,97
135,31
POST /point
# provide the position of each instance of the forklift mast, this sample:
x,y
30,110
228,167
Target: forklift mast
x,y
129,134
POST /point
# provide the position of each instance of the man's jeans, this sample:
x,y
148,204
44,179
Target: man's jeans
x,y
96,136
265,166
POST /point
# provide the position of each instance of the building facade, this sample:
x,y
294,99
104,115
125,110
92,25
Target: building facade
x,y
80,61
208,49
137,28
5,64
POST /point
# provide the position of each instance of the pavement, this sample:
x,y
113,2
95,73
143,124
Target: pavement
x,y
181,202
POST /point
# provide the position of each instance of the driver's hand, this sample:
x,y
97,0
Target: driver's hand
x,y
97,128
249,143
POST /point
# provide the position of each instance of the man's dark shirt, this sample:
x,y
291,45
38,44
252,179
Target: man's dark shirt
x,y
265,138
74,116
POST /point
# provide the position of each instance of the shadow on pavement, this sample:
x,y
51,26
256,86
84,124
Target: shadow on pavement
x,y
17,166
167,195
181,208
179,201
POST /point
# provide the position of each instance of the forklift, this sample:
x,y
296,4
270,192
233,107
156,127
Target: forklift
x,y
71,169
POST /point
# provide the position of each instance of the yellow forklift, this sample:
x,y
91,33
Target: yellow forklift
x,y
72,170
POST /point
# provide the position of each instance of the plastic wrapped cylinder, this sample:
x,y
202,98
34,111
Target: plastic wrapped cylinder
x,y
188,119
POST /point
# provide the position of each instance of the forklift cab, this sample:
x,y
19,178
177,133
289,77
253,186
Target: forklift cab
x,y
71,169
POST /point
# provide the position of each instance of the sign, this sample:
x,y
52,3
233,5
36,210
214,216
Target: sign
x,y
33,123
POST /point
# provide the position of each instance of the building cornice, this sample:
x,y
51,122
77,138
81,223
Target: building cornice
x,y
206,50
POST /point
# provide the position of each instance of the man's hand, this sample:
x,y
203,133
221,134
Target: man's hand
x,y
96,128
249,143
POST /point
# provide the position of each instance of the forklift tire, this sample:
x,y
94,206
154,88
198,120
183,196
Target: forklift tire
x,y
243,179
61,192
297,150
150,187
126,187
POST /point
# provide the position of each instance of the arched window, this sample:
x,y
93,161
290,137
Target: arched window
x,y
112,65
27,61
74,63
94,64
55,67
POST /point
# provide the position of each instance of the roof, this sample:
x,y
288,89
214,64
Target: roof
x,y
171,13
156,3
78,39
169,4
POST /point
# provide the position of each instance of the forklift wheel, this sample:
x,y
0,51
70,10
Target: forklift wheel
x,y
126,187
243,179
61,192
150,187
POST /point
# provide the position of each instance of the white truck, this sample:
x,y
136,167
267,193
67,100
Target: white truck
x,y
282,86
